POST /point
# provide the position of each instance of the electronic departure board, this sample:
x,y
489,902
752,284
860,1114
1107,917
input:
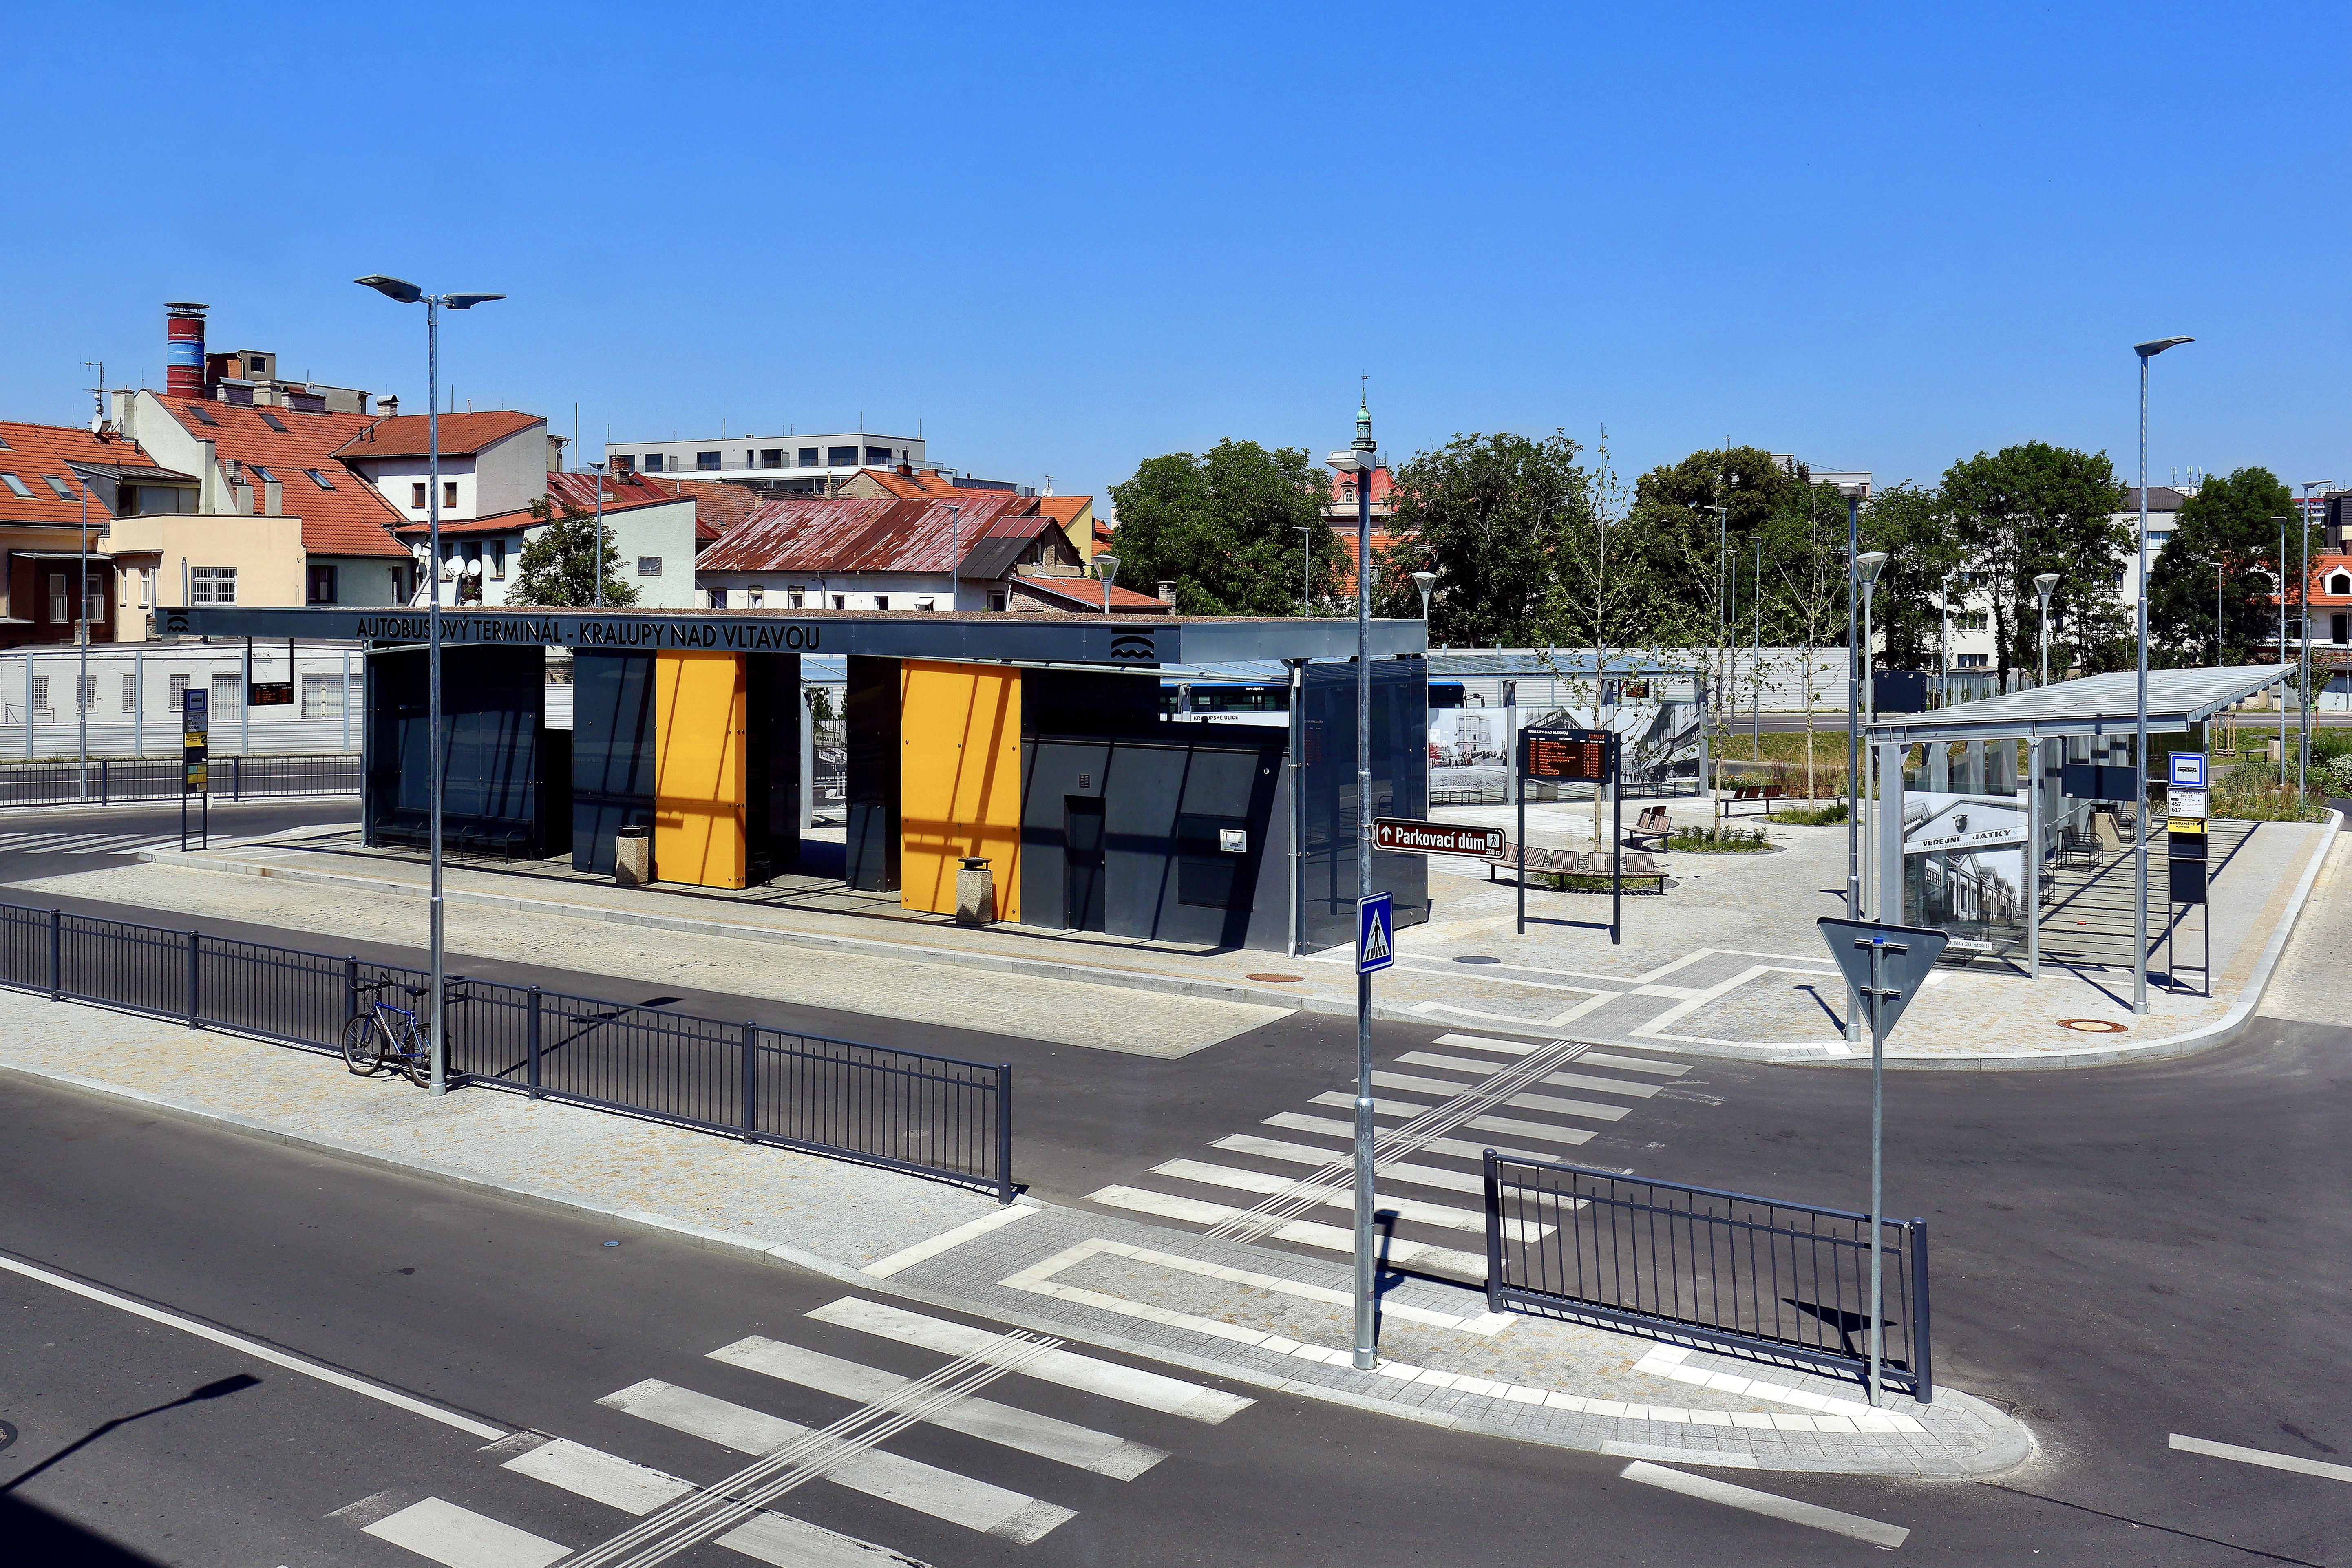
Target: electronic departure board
x,y
1572,756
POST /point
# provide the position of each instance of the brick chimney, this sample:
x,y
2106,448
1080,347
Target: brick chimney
x,y
1167,593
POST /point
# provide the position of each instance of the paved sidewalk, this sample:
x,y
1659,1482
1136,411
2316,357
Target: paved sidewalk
x,y
1726,963
1250,1314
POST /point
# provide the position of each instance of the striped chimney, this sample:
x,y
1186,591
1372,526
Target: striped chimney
x,y
183,349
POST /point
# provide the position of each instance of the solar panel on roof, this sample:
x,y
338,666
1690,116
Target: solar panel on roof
x,y
271,420
202,414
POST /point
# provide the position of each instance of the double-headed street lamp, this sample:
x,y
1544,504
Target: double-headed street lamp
x,y
1358,459
2147,351
410,294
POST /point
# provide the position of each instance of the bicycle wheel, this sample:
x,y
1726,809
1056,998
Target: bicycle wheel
x,y
362,1045
417,1057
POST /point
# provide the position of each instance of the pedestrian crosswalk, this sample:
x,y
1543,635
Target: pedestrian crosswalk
x,y
1439,1108
752,1513
85,843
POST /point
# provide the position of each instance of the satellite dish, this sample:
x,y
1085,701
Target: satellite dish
x,y
473,568
448,571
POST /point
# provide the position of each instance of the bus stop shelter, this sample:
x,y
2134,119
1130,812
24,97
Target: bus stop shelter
x,y
1960,840
1034,743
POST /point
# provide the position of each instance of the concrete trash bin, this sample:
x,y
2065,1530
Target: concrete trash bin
x,y
975,892
633,856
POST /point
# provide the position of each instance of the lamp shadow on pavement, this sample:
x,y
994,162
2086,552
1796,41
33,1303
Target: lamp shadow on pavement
x,y
236,1382
1850,1326
36,1535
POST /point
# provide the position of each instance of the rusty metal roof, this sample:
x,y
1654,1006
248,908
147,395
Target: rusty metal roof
x,y
882,534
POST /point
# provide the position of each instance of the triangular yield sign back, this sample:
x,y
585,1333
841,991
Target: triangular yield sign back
x,y
1909,958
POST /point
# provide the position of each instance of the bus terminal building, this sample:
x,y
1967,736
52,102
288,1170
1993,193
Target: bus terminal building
x,y
1037,743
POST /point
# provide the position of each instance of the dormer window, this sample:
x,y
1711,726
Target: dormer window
x,y
2339,583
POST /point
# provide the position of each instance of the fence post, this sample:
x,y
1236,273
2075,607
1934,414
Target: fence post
x,y
236,776
1923,1367
1494,1172
102,797
196,946
751,1107
57,955
1005,1132
351,987
531,1073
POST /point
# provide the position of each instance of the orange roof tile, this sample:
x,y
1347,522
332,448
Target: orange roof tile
x,y
349,519
34,454
404,435
1087,594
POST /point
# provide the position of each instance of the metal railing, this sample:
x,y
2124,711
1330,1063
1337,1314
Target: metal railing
x,y
1788,1280
931,1116
111,780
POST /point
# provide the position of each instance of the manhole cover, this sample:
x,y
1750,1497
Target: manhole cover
x,y
1281,979
2093,1025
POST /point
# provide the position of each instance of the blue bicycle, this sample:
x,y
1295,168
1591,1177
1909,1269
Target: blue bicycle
x,y
381,1035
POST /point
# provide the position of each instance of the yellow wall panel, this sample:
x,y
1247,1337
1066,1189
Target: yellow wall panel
x,y
958,782
700,715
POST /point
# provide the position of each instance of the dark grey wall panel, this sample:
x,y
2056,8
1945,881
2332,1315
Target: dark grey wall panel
x,y
493,724
612,752
873,782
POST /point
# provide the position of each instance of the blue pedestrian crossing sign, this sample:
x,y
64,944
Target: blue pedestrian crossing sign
x,y
1375,933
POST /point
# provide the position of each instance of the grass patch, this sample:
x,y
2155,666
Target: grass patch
x,y
1720,841
1810,817
2250,793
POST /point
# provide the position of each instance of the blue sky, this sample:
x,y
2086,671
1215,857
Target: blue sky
x,y
1066,239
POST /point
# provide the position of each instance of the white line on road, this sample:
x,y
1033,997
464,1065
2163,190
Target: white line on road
x,y
1346,1133
2262,1457
1129,1385
603,1477
1306,1233
946,1239
1410,1174
460,1538
1567,1107
1708,1489
1413,1209
259,1351
1061,1441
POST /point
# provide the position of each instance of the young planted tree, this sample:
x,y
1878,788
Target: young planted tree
x,y
1224,526
1807,551
558,566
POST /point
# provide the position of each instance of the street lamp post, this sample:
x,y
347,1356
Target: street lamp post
x,y
955,559
1107,568
410,294
1723,642
1866,570
1307,568
2302,677
81,642
2042,586
1359,460
1756,663
2282,646
1424,581
2147,351
598,471
1852,491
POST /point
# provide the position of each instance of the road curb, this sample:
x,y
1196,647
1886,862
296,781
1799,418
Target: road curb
x,y
1994,1461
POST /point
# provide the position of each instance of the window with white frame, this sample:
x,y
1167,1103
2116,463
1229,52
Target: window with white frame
x,y
322,696
228,696
2339,583
130,693
179,693
755,596
40,694
213,584
87,689
649,565
416,497
59,614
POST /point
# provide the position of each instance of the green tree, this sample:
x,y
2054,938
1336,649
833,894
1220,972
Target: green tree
x,y
1913,526
2222,560
1224,528
1488,515
558,565
2034,507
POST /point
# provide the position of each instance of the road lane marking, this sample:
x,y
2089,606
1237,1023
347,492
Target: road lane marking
x,y
638,1489
1634,1063
258,1350
1489,1043
1540,1131
460,1538
1568,1107
1380,1107
1129,1385
2261,1457
1605,1085
1399,1170
602,1477
945,1240
1346,1130
1306,1233
1064,1442
1453,1064
1708,1489
1412,1209
925,1488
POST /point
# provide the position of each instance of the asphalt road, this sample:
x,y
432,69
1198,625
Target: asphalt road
x,y
2119,1255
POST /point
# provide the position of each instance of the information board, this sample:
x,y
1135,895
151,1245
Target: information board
x,y
270,693
1568,756
195,735
1415,838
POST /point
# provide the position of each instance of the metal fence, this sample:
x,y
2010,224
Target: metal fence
x,y
107,781
1725,1269
928,1115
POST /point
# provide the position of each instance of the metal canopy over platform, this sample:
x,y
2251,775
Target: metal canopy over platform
x,y
2094,705
981,637
1565,664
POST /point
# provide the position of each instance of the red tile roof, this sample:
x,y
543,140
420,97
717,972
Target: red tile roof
x,y
1087,594
847,534
523,517
36,453
349,519
718,505
923,482
462,435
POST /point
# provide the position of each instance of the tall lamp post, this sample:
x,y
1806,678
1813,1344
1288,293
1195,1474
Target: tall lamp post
x,y
1852,491
410,294
1306,568
2302,657
1107,568
2147,351
1866,569
1358,459
2042,586
81,642
1424,581
2282,646
598,471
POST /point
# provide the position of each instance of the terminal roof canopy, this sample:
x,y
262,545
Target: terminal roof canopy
x,y
2094,705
